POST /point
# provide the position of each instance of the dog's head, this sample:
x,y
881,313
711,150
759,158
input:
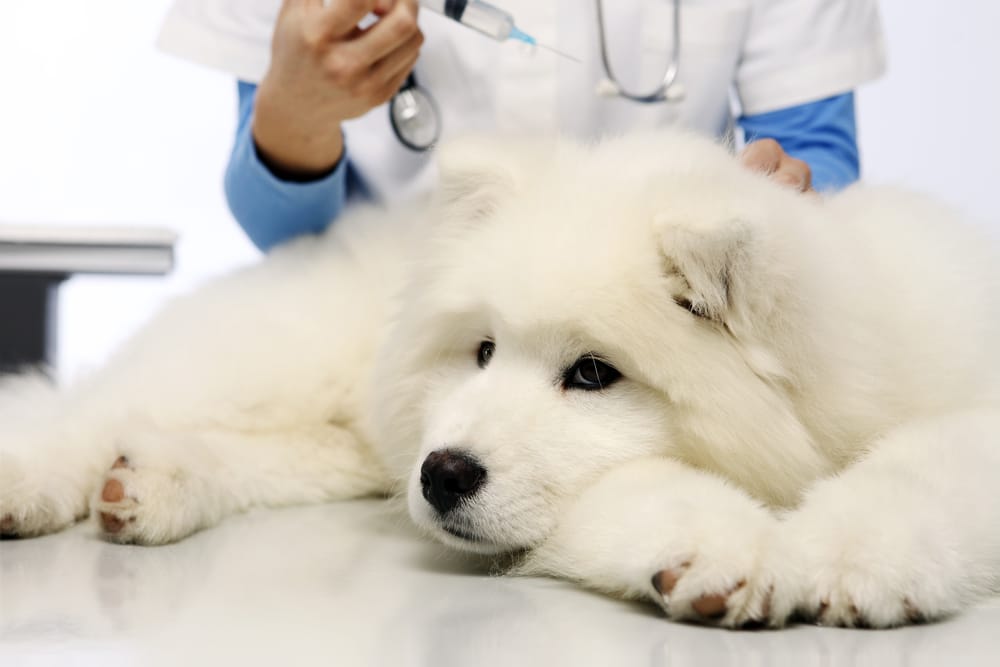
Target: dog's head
x,y
581,307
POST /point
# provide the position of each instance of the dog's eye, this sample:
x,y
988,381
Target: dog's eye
x,y
590,373
485,353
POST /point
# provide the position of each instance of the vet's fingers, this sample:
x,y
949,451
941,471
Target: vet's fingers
x,y
339,18
296,7
768,157
763,155
391,31
399,61
794,173
388,89
348,68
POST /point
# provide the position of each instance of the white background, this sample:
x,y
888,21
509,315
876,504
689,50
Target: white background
x,y
97,127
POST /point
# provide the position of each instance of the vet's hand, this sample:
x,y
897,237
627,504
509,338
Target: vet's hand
x,y
325,70
767,156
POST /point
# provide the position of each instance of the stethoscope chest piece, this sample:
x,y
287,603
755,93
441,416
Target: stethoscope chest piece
x,y
415,117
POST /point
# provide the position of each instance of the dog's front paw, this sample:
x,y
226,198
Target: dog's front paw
x,y
867,570
733,576
701,549
143,504
857,599
713,597
861,581
857,588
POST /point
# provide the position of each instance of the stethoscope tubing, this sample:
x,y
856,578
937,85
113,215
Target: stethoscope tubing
x,y
669,73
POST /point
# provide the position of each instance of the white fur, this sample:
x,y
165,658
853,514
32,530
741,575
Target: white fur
x,y
819,434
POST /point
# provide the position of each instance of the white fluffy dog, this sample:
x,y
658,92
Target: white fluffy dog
x,y
635,365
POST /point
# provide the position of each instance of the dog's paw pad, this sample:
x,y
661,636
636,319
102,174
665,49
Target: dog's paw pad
x,y
700,605
139,503
116,504
117,518
913,613
664,581
845,615
112,524
113,491
704,592
839,609
714,606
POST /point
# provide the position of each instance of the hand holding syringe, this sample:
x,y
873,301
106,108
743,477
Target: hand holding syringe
x,y
325,70
486,19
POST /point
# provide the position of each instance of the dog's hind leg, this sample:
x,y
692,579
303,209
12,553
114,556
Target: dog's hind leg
x,y
163,486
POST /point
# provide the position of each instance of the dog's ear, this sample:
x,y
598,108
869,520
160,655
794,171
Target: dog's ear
x,y
477,173
710,267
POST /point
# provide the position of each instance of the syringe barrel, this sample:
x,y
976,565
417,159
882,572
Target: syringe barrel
x,y
480,16
435,5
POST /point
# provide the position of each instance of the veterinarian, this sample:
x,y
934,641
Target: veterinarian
x,y
314,133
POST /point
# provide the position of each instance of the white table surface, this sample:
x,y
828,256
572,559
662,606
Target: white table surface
x,y
352,584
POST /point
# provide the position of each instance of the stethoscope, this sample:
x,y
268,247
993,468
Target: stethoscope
x,y
416,119
415,116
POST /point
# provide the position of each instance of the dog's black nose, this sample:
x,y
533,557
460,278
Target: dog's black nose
x,y
447,476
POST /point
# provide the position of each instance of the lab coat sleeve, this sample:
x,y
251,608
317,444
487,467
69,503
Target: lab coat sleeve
x,y
233,36
798,51
823,134
271,210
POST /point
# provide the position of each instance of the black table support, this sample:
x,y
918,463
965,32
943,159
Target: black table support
x,y
28,314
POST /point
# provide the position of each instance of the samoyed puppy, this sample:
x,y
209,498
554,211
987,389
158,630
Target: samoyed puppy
x,y
634,365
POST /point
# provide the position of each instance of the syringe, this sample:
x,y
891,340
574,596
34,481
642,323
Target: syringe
x,y
484,18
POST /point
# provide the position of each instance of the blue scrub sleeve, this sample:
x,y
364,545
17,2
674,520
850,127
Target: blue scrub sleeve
x,y
821,133
271,210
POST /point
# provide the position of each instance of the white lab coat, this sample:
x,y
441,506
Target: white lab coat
x,y
754,55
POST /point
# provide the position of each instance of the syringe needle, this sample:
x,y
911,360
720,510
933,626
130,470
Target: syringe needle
x,y
558,52
522,36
